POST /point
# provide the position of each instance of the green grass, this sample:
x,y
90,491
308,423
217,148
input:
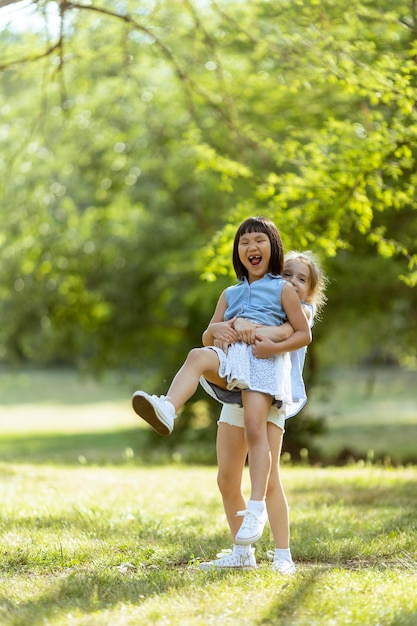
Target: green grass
x,y
121,546
93,533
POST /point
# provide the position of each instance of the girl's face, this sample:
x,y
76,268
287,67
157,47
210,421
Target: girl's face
x,y
298,273
255,254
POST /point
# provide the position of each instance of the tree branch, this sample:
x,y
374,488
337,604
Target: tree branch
x,y
35,57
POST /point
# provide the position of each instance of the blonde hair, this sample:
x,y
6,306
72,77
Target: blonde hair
x,y
318,280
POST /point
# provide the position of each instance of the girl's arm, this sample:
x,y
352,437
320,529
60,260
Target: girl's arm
x,y
279,333
244,331
275,333
247,331
265,347
220,333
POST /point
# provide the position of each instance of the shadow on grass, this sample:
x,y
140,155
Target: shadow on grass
x,y
375,522
142,445
88,593
92,586
101,591
89,588
133,446
400,493
112,447
289,604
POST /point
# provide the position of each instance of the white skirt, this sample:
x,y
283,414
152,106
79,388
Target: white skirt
x,y
243,370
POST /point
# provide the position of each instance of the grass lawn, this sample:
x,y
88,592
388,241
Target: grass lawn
x,y
113,546
93,535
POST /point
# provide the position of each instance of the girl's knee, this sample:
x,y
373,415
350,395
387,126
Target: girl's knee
x,y
194,354
227,484
254,433
198,357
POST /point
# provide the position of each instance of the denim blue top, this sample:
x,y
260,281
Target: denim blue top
x,y
259,302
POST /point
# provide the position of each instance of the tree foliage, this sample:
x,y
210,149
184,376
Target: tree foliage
x,y
135,136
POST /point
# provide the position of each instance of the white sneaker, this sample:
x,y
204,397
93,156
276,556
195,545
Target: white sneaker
x,y
229,560
156,410
251,529
281,565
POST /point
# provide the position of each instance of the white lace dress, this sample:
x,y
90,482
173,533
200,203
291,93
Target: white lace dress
x,y
241,369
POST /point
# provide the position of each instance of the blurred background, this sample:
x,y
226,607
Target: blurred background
x,y
134,137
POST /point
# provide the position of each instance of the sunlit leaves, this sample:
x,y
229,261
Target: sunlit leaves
x,y
130,153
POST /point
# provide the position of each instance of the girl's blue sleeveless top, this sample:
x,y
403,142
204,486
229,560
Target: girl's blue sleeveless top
x,y
259,302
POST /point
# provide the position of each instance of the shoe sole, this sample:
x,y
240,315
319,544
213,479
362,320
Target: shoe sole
x,y
147,412
246,541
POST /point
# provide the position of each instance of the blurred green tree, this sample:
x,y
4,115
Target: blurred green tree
x,y
135,137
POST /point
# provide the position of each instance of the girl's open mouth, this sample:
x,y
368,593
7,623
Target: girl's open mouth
x,y
255,260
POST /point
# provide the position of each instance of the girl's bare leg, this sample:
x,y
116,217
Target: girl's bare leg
x,y
199,362
256,407
277,508
231,456
231,453
276,501
160,412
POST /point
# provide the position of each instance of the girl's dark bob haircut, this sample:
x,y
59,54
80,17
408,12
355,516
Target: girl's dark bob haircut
x,y
259,225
